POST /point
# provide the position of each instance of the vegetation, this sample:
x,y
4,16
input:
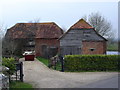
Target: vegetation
x,y
43,60
101,24
78,63
46,62
20,85
112,47
10,63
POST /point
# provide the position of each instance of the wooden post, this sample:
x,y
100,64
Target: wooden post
x,y
21,72
16,75
55,65
62,63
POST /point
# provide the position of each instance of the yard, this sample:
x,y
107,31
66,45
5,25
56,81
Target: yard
x,y
40,76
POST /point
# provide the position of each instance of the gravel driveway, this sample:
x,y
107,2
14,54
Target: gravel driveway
x,y
41,76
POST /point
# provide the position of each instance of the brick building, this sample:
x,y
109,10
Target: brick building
x,y
41,37
82,38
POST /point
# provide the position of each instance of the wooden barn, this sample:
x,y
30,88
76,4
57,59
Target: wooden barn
x,y
82,38
39,37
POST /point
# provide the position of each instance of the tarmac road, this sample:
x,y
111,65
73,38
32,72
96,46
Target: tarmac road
x,y
111,82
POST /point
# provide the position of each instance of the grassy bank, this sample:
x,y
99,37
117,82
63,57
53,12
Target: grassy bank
x,y
43,60
46,62
112,47
20,85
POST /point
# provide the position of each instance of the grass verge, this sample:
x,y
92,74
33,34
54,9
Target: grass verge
x,y
20,85
43,60
113,47
46,62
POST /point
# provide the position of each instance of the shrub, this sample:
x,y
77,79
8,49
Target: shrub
x,y
10,63
91,63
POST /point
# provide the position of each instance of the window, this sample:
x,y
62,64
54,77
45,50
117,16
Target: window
x,y
87,33
92,49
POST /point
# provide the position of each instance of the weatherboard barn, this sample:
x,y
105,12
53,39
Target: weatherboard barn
x,y
82,38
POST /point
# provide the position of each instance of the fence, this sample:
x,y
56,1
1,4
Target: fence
x,y
57,63
18,75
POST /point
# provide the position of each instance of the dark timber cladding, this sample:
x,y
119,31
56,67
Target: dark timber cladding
x,y
75,40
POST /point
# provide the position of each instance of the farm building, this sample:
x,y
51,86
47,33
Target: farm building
x,y
82,38
40,37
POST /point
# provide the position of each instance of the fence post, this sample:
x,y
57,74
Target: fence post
x,y
16,75
55,65
62,63
21,72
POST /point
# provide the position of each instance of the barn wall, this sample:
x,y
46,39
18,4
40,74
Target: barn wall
x,y
42,46
72,41
98,46
70,50
72,38
75,37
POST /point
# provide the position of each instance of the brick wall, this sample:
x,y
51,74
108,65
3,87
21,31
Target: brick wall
x,y
48,42
93,47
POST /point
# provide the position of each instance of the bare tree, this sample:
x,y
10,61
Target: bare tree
x,y
9,47
85,17
0,43
36,20
101,25
1,31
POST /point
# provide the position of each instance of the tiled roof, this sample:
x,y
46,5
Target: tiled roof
x,y
36,30
81,24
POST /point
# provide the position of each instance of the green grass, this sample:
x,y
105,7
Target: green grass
x,y
46,62
58,66
43,60
20,85
112,47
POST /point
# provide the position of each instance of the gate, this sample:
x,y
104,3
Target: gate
x,y
57,63
18,75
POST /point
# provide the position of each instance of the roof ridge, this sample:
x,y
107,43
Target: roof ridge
x,y
38,23
81,26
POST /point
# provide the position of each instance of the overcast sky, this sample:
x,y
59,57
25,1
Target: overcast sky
x,y
64,12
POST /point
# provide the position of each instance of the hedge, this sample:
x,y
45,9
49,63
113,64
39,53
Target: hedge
x,y
91,63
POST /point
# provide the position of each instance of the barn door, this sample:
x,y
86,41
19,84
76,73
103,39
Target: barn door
x,y
71,50
44,51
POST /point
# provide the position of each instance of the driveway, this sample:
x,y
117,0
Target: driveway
x,y
41,76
